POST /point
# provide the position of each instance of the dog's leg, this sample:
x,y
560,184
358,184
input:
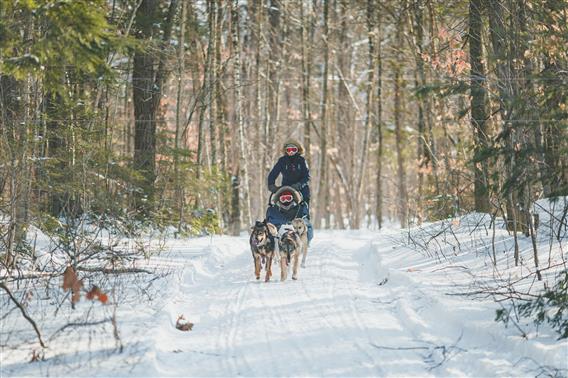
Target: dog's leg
x,y
304,254
296,260
283,268
257,267
268,269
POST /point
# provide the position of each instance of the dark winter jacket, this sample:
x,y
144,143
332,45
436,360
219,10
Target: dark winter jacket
x,y
279,216
294,170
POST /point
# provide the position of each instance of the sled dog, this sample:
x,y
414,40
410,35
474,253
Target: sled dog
x,y
262,245
289,245
301,229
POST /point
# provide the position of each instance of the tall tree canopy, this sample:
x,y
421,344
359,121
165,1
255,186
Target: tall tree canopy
x,y
173,111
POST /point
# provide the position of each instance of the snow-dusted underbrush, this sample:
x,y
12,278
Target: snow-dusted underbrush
x,y
482,246
62,299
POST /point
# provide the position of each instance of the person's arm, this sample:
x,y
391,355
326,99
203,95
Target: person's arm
x,y
305,175
303,211
276,170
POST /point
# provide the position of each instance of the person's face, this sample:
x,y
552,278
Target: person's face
x,y
291,150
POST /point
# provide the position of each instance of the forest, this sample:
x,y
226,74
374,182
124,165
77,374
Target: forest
x,y
174,111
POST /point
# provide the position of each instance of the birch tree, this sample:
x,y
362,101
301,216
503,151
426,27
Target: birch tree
x,y
241,198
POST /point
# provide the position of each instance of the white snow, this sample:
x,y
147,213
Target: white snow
x,y
368,303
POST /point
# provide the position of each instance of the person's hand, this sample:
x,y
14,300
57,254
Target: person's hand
x,y
273,188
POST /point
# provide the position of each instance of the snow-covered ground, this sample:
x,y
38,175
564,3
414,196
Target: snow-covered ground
x,y
368,303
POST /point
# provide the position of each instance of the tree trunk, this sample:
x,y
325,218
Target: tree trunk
x,y
240,182
478,107
258,8
58,197
223,198
361,174
274,67
147,83
323,195
346,126
502,56
379,127
212,91
422,156
143,75
306,75
206,92
402,196
179,193
14,113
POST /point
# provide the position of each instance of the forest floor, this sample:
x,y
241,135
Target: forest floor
x,y
368,303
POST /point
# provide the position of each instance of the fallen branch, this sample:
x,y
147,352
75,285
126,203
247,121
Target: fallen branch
x,y
445,350
114,271
69,325
30,276
24,313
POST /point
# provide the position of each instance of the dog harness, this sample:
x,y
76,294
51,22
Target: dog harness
x,y
284,230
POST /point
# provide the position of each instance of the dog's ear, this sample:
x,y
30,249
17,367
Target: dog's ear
x,y
272,229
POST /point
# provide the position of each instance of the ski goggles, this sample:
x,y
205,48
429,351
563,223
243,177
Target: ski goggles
x,y
291,150
286,198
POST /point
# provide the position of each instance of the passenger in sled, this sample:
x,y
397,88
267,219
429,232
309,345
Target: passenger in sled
x,y
286,204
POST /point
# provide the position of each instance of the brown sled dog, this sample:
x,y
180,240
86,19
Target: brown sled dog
x,y
290,245
302,230
262,245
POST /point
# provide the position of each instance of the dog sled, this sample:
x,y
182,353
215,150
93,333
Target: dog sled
x,y
284,234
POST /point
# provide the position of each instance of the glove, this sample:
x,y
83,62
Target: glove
x,y
273,188
297,186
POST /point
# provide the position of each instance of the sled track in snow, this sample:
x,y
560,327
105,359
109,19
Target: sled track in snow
x,y
346,315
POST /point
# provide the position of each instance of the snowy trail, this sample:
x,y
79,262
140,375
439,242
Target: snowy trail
x,y
368,304
311,326
348,315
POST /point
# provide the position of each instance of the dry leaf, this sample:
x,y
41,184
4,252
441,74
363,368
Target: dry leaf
x,y
182,324
103,298
96,293
73,283
37,356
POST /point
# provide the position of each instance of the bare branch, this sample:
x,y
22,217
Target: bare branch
x,y
24,313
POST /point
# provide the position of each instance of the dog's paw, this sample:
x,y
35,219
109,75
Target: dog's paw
x,y
294,277
303,265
